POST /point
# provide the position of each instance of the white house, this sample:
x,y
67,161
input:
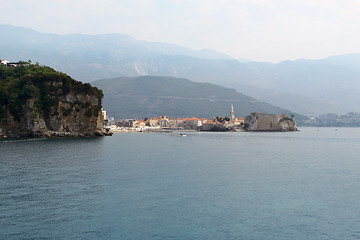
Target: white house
x,y
5,62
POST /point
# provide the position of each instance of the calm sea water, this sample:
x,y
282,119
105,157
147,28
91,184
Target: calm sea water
x,y
298,185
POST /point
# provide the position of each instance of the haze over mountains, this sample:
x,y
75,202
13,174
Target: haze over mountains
x,y
305,86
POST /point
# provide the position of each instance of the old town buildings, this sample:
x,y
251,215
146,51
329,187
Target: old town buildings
x,y
166,123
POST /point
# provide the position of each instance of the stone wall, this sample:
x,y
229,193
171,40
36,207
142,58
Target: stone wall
x,y
268,122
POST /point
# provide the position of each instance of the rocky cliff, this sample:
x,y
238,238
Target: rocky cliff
x,y
40,102
287,125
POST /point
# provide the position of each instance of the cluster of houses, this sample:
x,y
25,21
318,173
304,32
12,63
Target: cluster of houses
x,y
166,123
13,64
254,122
351,119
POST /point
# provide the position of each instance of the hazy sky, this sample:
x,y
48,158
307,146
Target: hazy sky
x,y
261,30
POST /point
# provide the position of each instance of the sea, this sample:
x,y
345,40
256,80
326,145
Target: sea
x,y
205,185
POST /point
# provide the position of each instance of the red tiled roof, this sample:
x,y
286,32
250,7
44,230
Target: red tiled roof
x,y
193,118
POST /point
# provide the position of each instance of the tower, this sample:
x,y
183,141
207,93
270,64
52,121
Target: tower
x,y
232,113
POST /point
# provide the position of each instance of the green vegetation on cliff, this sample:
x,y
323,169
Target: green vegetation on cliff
x,y
44,86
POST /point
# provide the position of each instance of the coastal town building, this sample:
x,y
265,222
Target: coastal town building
x,y
4,62
192,123
138,124
152,122
164,122
104,114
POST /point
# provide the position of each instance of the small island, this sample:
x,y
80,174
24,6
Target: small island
x,y
37,101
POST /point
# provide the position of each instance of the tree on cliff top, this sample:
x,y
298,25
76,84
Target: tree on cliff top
x,y
41,83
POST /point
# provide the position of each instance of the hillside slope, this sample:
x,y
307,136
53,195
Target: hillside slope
x,y
151,96
329,85
332,81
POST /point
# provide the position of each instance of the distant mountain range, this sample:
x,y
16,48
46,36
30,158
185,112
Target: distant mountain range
x,y
306,86
151,96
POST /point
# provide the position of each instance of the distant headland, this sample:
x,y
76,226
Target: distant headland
x,y
255,122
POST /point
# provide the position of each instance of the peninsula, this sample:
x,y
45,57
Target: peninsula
x,y
255,122
37,101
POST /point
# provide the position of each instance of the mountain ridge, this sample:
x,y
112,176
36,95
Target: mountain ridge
x,y
331,84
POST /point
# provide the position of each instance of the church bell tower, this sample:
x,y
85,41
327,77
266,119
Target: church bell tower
x,y
232,113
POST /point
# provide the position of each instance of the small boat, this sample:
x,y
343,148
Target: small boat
x,y
182,134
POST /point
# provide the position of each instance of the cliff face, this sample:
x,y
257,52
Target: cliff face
x,y
50,105
287,125
69,118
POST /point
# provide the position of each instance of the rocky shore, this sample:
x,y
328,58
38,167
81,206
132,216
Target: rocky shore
x,y
67,119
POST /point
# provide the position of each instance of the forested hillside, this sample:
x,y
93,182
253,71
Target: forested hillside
x,y
151,96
